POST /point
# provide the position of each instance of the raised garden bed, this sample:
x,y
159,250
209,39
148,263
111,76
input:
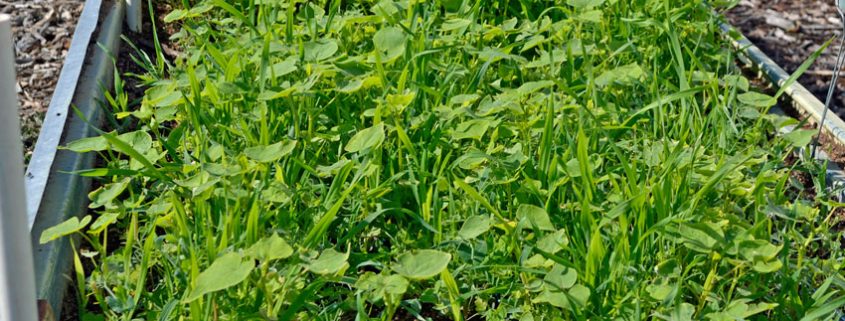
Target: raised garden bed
x,y
491,160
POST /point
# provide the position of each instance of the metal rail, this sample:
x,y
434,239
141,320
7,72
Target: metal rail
x,y
17,282
57,113
55,193
802,99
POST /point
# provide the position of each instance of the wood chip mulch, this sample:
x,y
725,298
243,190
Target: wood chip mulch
x,y
42,31
789,31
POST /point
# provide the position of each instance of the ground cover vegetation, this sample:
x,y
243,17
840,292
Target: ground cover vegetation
x,y
452,160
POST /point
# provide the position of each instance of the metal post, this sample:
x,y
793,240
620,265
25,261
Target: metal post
x,y
133,14
17,281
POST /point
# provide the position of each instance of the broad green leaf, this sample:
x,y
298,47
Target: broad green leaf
x,y
270,248
767,266
351,85
72,225
585,4
103,221
800,137
740,310
139,140
107,193
682,312
366,139
530,216
454,24
175,15
226,271
282,68
758,250
88,144
320,50
593,16
333,169
756,99
578,295
659,292
668,268
271,153
422,264
475,226
329,262
740,82
560,278
471,129
379,286
701,237
464,100
390,43
553,242
535,86
624,75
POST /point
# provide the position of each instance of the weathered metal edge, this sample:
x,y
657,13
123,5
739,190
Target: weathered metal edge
x,y
57,113
66,194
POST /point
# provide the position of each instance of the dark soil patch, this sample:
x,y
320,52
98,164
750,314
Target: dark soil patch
x,y
42,31
789,31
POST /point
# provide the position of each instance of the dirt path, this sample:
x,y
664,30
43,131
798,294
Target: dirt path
x,y
43,30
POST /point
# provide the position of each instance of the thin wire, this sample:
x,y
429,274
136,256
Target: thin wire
x,y
833,82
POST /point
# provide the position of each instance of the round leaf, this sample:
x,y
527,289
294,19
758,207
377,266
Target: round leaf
x,y
390,43
421,265
320,50
270,248
72,225
270,153
366,138
329,262
228,270
474,226
530,216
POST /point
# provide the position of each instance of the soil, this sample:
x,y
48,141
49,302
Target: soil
x,y
42,31
789,31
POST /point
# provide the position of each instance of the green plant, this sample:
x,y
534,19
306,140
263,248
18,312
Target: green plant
x,y
510,159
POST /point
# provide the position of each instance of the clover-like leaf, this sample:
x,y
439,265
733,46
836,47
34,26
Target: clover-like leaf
x,y
366,139
379,286
270,248
475,226
800,137
228,270
68,227
270,153
320,50
471,129
390,43
422,264
329,262
530,216
560,278
756,99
